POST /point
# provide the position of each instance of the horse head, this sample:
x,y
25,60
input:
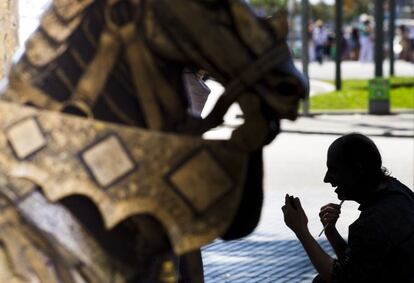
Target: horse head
x,y
248,55
122,61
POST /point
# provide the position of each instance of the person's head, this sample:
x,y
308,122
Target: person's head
x,y
354,167
402,28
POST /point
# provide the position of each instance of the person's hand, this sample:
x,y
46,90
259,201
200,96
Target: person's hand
x,y
329,214
295,216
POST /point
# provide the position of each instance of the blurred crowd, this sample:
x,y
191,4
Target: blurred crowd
x,y
357,41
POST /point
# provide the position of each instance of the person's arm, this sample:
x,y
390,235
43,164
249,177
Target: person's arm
x,y
297,221
322,262
329,215
337,242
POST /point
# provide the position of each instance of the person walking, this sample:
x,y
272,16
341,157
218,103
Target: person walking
x,y
366,42
319,38
354,44
405,43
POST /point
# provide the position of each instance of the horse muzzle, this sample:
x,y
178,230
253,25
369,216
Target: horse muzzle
x,y
283,89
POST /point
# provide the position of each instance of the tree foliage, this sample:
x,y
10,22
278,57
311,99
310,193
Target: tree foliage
x,y
321,10
268,6
353,9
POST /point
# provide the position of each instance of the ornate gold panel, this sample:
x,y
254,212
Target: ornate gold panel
x,y
25,137
197,179
108,160
178,179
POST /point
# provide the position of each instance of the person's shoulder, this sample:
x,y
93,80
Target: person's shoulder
x,y
392,211
395,183
396,193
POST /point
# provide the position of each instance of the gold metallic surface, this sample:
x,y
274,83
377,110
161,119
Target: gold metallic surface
x,y
49,245
21,91
68,9
168,272
9,27
165,189
143,85
40,52
94,78
127,171
56,28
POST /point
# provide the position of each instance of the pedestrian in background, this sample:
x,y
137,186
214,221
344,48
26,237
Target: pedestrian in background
x,y
354,44
311,44
366,41
405,42
411,38
319,38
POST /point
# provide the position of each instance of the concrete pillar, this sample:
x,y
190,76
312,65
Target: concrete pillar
x,y
8,33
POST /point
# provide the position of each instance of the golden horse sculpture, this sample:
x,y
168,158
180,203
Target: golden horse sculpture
x,y
104,174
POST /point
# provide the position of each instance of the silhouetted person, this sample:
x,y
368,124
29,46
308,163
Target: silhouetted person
x,y
380,244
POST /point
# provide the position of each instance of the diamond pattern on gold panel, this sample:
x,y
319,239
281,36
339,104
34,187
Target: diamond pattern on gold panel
x,y
26,137
200,180
108,161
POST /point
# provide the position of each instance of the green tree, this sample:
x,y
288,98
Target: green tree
x,y
322,11
268,6
353,9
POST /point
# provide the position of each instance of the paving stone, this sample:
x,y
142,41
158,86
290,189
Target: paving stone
x,y
268,255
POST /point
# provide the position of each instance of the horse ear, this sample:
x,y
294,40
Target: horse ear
x,y
279,24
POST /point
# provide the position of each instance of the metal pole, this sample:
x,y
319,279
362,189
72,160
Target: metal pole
x,y
305,51
338,43
391,32
379,37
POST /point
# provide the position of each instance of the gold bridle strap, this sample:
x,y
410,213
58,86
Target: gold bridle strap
x,y
93,80
247,79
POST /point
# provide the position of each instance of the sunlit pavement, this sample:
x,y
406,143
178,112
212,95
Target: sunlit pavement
x,y
270,254
356,70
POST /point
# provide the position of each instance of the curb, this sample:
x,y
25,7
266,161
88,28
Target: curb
x,y
386,135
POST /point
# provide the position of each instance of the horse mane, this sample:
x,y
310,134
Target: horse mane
x,y
58,53
56,42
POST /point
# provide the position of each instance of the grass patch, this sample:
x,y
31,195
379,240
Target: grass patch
x,y
354,96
